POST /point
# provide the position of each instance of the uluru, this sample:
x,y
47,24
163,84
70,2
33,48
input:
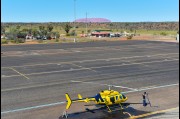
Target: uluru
x,y
93,20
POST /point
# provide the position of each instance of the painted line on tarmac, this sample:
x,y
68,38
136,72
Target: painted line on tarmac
x,y
82,61
91,68
63,102
83,67
34,107
153,113
34,54
135,63
71,50
150,88
19,73
60,71
51,84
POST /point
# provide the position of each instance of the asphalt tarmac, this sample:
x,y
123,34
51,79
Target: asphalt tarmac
x,y
34,78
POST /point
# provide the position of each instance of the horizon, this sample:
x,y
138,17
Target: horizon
x,y
97,22
33,11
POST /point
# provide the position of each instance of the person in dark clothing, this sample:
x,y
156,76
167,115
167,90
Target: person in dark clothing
x,y
144,99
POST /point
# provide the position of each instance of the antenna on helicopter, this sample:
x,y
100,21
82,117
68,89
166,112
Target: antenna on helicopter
x,y
110,86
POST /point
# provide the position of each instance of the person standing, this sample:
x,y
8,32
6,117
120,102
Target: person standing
x,y
144,99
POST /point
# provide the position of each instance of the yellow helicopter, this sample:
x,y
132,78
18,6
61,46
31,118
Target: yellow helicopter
x,y
107,98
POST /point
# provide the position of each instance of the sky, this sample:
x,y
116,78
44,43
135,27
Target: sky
x,y
68,10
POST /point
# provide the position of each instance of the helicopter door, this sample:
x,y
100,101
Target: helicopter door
x,y
112,99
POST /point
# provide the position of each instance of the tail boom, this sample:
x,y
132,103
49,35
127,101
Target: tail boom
x,y
80,99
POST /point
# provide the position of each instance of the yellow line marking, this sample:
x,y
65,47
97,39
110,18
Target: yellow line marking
x,y
19,73
152,113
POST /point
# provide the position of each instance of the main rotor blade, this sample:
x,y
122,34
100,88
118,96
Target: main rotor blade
x,y
104,85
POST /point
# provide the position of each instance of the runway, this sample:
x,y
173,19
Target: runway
x,y
34,78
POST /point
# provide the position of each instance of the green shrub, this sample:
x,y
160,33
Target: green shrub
x,y
4,41
12,41
40,41
73,33
129,37
67,34
20,40
163,33
57,40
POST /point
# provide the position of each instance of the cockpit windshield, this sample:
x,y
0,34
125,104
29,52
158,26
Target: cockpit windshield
x,y
124,97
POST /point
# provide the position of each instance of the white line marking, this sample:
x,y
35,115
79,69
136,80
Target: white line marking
x,y
83,67
150,88
56,83
69,70
4,76
82,61
91,68
63,102
33,107
84,49
134,64
27,87
89,77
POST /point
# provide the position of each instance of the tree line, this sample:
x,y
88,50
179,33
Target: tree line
x,y
15,30
40,30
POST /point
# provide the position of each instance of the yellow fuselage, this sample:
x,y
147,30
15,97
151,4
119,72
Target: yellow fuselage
x,y
111,97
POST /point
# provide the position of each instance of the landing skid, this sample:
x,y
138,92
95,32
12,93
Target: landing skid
x,y
113,108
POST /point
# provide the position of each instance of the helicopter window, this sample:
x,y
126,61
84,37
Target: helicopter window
x,y
121,97
124,96
112,99
116,97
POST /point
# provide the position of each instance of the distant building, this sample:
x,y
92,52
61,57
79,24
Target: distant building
x,y
100,34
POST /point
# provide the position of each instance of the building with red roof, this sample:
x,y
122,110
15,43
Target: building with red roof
x,y
101,33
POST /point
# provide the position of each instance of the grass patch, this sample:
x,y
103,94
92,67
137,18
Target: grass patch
x,y
156,32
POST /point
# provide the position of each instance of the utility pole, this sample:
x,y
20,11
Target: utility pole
x,y
74,20
86,25
74,10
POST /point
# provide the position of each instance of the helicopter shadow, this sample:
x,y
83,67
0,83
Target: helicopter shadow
x,y
102,113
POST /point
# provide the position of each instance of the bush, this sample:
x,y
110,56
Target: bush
x,y
67,34
12,41
57,35
57,40
4,41
40,41
73,33
163,33
20,40
129,37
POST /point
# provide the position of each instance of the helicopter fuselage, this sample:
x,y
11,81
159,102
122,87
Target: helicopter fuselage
x,y
110,97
